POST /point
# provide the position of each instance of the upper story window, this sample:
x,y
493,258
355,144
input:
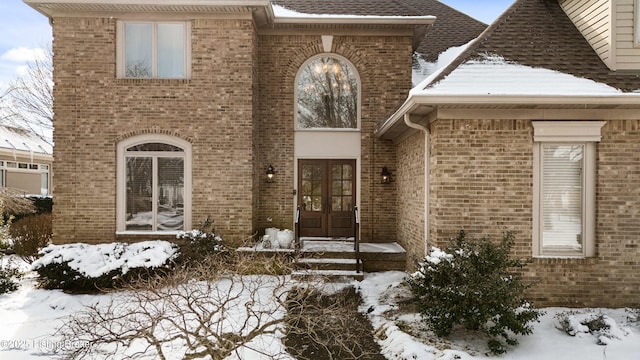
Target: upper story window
x,y
154,49
327,94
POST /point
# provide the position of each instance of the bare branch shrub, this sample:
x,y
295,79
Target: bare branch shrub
x,y
205,311
13,202
30,234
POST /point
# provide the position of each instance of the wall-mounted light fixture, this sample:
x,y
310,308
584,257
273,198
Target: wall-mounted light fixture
x,y
270,173
386,175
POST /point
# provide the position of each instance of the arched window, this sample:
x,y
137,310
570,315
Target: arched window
x,y
327,94
154,177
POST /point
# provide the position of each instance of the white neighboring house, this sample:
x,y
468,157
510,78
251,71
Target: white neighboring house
x,y
25,162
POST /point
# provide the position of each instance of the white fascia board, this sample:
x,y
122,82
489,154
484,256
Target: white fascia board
x,y
413,102
156,2
355,20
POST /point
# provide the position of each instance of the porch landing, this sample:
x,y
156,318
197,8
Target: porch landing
x,y
337,257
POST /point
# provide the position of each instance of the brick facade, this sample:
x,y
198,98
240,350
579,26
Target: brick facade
x,y
214,111
481,180
385,82
236,111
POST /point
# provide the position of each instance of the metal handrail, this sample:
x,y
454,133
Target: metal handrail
x,y
356,241
297,229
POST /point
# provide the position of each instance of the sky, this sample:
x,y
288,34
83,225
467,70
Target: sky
x,y
23,31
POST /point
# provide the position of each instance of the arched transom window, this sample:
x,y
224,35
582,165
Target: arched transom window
x,y
154,178
327,94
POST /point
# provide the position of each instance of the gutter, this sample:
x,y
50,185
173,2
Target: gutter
x,y
355,20
425,130
417,100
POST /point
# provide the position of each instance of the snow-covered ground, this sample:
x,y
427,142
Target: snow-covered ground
x,y
30,316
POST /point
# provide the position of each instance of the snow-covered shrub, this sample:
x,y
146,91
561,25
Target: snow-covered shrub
x,y
603,327
200,243
633,315
474,284
8,278
30,234
83,267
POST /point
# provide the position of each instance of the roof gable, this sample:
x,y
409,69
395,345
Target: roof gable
x,y
451,28
538,34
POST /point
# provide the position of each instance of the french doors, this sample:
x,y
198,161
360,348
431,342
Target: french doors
x,y
326,195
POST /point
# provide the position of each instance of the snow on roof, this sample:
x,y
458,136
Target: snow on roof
x,y
17,139
425,72
493,75
284,13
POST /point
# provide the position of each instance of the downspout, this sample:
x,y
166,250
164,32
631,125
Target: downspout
x,y
425,130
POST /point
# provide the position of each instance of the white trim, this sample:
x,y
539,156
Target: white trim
x,y
355,20
430,101
327,42
121,178
569,132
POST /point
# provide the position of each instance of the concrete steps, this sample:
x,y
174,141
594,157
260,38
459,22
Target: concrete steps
x,y
328,259
329,274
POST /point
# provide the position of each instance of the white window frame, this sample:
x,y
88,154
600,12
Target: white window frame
x,y
586,133
636,23
121,208
121,56
359,105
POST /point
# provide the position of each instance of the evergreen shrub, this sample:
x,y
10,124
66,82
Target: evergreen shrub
x,y
8,278
474,284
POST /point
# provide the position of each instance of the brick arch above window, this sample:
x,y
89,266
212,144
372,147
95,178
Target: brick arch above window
x,y
152,132
347,51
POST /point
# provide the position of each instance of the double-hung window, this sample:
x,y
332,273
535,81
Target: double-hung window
x,y
154,49
564,155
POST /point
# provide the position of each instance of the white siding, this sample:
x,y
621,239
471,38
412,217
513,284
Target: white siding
x,y
627,48
593,19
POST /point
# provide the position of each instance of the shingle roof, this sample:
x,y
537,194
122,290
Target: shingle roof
x,y
452,28
539,34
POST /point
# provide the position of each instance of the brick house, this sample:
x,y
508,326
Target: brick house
x,y
200,98
170,111
534,128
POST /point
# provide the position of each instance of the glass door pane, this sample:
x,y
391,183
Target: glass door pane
x,y
311,191
139,178
170,194
341,187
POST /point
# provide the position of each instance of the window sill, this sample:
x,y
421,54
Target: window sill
x,y
151,81
328,130
563,259
147,233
